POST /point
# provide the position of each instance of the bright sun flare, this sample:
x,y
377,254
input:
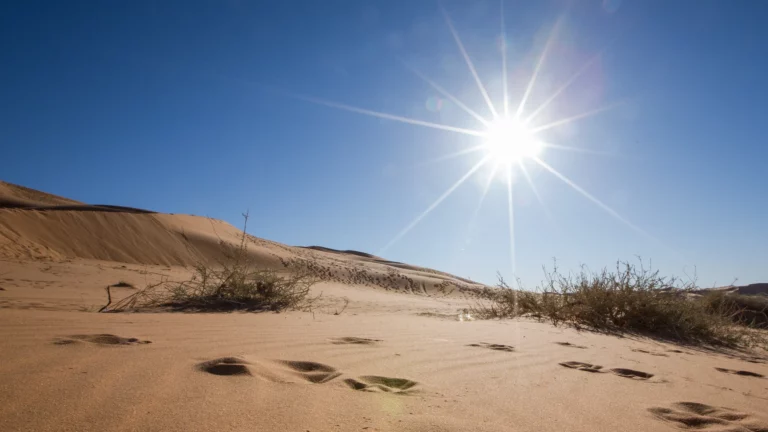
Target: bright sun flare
x,y
510,141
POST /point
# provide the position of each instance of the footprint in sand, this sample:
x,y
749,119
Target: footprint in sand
x,y
99,339
586,367
630,373
570,345
739,372
351,340
226,366
495,347
698,416
313,372
374,383
316,373
622,372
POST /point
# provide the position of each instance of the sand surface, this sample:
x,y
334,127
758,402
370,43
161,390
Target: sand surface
x,y
396,358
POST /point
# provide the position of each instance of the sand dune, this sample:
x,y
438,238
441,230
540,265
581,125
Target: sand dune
x,y
751,289
73,230
12,195
395,359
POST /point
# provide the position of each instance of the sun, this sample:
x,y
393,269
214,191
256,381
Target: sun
x,y
511,137
509,141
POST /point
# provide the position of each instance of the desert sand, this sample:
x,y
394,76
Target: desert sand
x,y
383,348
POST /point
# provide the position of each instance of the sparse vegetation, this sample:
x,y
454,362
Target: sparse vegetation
x,y
235,284
746,310
627,299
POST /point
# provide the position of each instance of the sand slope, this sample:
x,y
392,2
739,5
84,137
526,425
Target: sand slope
x,y
12,195
40,226
182,240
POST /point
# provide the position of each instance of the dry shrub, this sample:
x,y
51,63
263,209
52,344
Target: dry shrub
x,y
627,299
235,284
746,310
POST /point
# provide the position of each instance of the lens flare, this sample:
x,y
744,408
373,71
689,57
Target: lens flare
x,y
509,142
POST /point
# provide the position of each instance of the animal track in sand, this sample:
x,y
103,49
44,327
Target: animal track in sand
x,y
622,372
631,373
698,416
313,372
570,345
373,383
351,340
226,366
495,347
657,354
99,339
739,372
586,367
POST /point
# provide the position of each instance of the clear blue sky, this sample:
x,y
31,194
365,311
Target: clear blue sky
x,y
166,105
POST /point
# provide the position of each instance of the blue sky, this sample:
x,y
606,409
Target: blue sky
x,y
189,107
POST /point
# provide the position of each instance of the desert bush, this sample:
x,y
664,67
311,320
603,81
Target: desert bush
x,y
236,283
747,310
628,299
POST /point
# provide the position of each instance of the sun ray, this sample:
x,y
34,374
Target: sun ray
x,y
537,69
387,116
432,206
511,214
535,190
578,149
489,181
466,151
504,61
486,187
469,62
590,197
508,141
574,118
447,94
562,88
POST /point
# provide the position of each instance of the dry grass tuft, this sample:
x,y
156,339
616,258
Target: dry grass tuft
x,y
236,284
627,299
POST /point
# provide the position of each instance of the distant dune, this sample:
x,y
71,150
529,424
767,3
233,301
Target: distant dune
x,y
374,259
20,197
349,252
751,289
12,195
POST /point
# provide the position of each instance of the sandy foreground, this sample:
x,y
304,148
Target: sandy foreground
x,y
396,358
390,361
